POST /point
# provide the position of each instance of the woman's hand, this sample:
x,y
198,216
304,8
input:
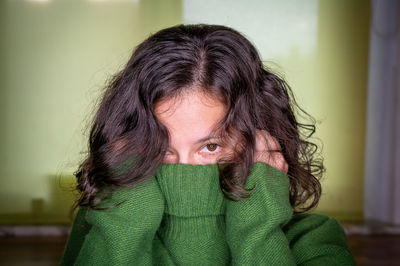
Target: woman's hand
x,y
265,144
253,227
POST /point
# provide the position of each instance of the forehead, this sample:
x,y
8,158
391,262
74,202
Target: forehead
x,y
191,116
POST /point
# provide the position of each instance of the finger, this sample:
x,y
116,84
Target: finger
x,y
265,141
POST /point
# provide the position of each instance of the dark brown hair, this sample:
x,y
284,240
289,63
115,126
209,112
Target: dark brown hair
x,y
223,63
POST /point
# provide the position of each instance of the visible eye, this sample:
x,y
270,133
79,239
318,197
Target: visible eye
x,y
212,148
167,153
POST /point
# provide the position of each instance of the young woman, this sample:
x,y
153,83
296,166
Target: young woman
x,y
196,158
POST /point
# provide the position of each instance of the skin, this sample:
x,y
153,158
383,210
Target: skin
x,y
190,118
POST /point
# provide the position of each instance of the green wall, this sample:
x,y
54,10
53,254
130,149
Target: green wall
x,y
330,82
341,90
56,56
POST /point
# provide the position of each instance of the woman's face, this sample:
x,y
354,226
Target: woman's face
x,y
190,119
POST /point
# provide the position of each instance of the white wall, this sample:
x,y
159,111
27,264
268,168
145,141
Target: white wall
x,y
382,168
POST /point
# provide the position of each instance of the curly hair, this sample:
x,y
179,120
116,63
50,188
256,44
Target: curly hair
x,y
125,133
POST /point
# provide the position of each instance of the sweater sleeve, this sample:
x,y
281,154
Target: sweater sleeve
x,y
262,230
79,229
316,239
124,235
253,226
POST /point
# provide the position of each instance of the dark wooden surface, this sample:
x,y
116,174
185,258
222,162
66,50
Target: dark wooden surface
x,y
46,251
32,251
376,249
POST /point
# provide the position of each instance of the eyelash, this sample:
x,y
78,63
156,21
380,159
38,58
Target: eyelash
x,y
209,153
213,152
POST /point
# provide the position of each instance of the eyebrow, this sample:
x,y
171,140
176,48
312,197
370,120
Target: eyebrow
x,y
206,138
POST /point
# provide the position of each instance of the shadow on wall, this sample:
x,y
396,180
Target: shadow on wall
x,y
54,210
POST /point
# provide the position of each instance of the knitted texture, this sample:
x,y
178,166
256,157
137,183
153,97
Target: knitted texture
x,y
253,226
193,227
180,217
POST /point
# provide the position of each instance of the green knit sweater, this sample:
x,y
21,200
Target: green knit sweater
x,y
180,217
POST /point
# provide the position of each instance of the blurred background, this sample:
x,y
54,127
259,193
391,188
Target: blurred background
x,y
341,59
